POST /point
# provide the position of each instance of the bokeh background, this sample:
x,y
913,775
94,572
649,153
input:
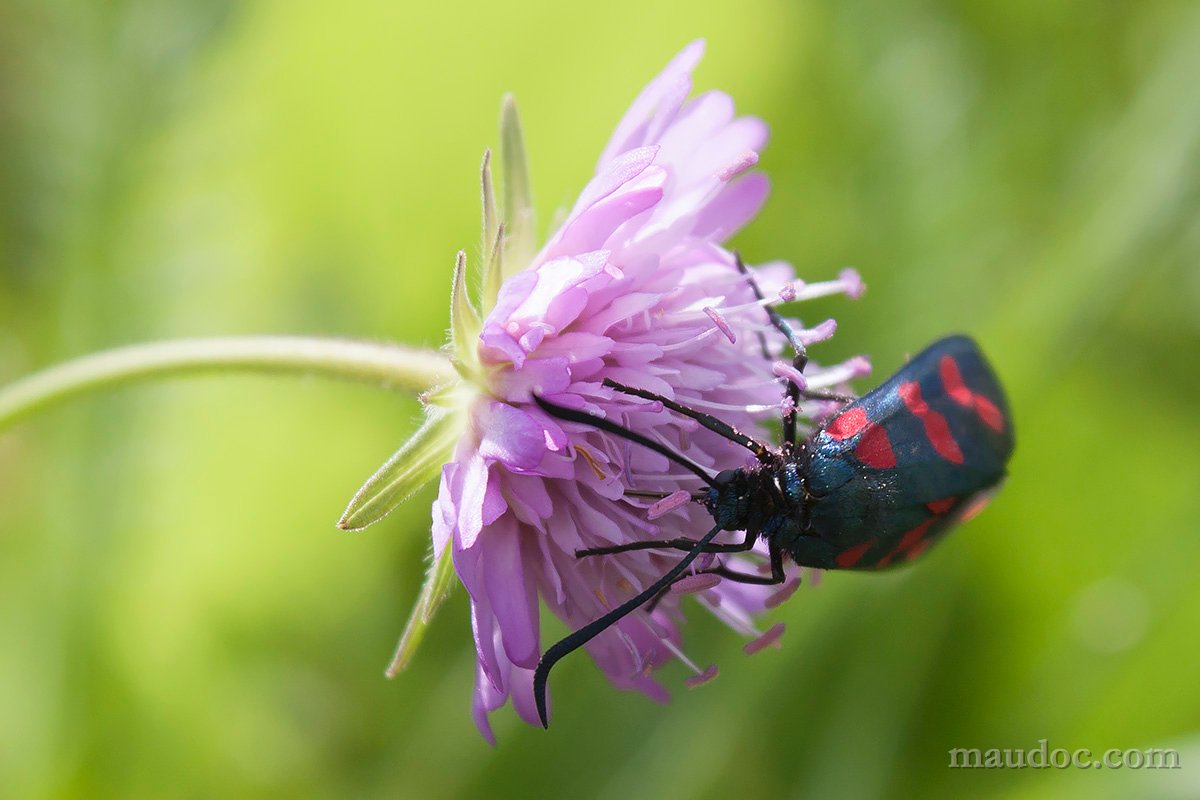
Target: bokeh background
x,y
178,615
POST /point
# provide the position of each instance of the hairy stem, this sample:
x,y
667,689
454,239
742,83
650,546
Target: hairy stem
x,y
389,366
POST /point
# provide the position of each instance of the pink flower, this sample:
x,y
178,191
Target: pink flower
x,y
634,286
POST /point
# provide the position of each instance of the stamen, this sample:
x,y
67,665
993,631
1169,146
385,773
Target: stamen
x,y
854,283
711,672
848,283
659,631
783,594
744,162
691,340
857,367
752,305
702,678
734,618
820,409
787,406
787,292
591,460
820,333
721,324
753,385
768,639
696,402
693,584
668,504
787,371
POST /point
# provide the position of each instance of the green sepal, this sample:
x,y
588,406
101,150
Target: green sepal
x,y
489,284
465,324
438,582
519,223
416,463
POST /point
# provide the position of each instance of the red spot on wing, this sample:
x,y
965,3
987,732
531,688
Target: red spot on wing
x,y
940,507
912,538
936,428
911,544
875,449
953,381
848,424
848,558
976,504
916,550
960,393
988,412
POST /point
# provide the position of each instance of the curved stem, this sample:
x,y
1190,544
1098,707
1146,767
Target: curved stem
x,y
390,366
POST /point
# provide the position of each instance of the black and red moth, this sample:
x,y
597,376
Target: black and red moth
x,y
893,471
873,487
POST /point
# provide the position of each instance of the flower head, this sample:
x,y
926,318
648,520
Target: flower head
x,y
636,287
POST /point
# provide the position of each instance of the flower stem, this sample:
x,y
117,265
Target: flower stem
x,y
390,366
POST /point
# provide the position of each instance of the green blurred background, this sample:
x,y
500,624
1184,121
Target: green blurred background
x,y
178,615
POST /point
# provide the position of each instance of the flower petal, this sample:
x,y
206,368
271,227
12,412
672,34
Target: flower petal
x,y
512,596
594,225
509,436
736,205
470,509
633,125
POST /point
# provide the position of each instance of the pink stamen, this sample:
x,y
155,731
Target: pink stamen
x,y
853,282
668,504
820,333
744,162
695,583
859,366
788,292
702,678
721,324
695,402
820,409
784,370
706,675
787,405
691,341
848,283
751,306
783,594
768,639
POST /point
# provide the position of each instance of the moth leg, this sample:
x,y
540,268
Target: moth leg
x,y
799,360
723,429
670,544
776,577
